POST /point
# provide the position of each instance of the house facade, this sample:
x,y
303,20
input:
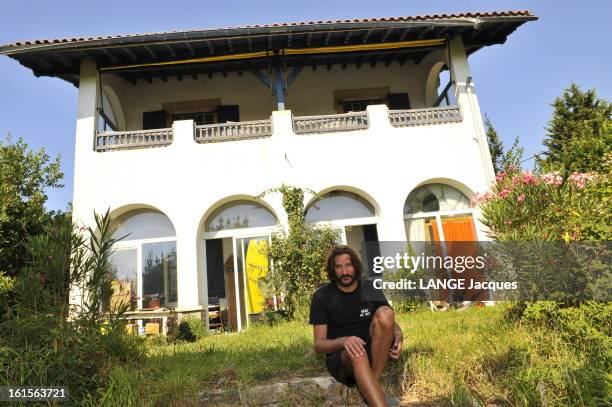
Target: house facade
x,y
179,134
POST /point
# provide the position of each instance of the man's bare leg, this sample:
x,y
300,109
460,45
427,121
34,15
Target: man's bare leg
x,y
381,334
368,384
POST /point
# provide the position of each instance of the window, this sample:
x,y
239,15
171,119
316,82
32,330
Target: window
x,y
357,100
435,197
199,118
144,263
359,105
239,215
436,209
337,205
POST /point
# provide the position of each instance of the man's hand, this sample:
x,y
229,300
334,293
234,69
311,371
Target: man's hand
x,y
354,346
396,347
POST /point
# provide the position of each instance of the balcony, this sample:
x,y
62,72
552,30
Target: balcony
x,y
300,125
126,140
212,133
330,123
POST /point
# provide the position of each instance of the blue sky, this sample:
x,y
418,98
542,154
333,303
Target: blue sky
x,y
515,82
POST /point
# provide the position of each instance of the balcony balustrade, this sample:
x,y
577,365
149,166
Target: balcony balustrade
x,y
124,140
428,116
354,121
330,123
211,133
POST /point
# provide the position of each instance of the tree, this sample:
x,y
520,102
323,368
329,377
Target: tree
x,y
298,254
502,161
496,147
24,176
579,134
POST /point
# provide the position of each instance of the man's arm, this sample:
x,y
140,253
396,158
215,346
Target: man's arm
x,y
352,344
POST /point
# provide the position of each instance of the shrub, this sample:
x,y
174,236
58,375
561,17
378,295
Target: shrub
x,y
191,329
45,340
297,256
551,206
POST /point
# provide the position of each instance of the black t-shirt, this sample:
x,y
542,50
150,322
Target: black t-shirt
x,y
345,314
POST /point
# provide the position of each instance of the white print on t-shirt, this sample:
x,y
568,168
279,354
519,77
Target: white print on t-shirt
x,y
365,312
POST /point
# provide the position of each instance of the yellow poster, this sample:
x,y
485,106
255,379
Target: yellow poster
x,y
256,268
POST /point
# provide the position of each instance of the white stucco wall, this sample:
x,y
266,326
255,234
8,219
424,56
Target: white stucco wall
x,y
187,180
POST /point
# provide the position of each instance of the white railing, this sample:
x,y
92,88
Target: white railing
x,y
330,123
419,117
211,133
123,140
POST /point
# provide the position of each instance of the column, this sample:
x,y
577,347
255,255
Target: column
x,y
467,100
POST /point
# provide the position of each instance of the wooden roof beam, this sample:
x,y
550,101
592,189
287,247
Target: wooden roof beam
x,y
109,55
190,49
150,52
327,37
404,34
347,37
171,50
211,48
387,33
129,53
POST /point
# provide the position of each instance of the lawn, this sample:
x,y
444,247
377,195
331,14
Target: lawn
x,y
449,358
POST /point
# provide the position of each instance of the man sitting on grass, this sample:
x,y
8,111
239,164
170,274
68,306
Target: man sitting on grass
x,y
357,334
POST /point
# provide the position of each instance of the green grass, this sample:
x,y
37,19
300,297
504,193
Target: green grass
x,y
471,357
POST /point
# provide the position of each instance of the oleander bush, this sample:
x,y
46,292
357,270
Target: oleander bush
x,y
550,206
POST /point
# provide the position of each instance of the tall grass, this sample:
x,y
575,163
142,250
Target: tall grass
x,y
459,358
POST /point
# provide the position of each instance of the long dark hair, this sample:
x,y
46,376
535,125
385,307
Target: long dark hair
x,y
337,250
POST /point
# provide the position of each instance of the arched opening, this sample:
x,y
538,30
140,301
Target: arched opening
x,y
439,221
439,88
144,261
353,216
111,112
236,237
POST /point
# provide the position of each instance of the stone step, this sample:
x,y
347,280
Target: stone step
x,y
308,391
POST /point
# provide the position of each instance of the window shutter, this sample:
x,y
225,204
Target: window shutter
x,y
154,120
228,113
398,101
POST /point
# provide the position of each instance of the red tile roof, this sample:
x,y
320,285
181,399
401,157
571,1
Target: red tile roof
x,y
426,17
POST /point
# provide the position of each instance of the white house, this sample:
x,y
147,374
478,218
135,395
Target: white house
x,y
177,132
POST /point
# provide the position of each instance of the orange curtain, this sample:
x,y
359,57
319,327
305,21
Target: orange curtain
x,y
458,232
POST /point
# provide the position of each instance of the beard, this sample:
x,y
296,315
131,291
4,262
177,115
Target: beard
x,y
345,281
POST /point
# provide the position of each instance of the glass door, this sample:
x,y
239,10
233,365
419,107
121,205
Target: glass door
x,y
251,264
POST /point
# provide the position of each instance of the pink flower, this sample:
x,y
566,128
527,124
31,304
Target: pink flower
x,y
528,177
500,176
552,178
481,198
504,192
580,179
520,198
508,222
516,180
